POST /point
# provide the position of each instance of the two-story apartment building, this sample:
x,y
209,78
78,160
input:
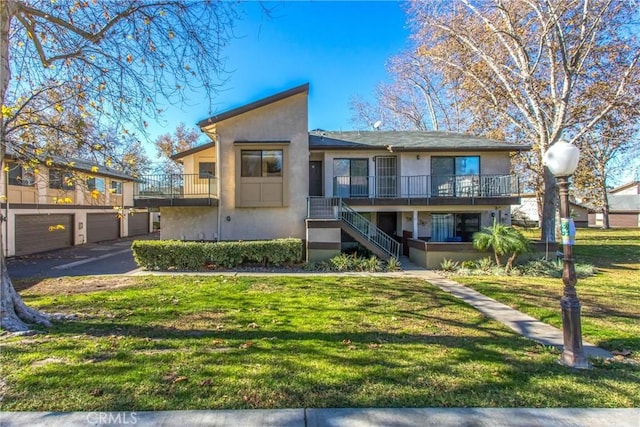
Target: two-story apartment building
x,y
65,203
263,176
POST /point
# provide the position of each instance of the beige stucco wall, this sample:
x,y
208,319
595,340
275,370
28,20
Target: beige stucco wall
x,y
188,223
194,185
323,235
284,120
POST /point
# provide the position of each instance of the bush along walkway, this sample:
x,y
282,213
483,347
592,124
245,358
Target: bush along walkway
x,y
521,323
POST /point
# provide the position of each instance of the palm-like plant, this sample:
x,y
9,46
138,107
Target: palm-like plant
x,y
503,240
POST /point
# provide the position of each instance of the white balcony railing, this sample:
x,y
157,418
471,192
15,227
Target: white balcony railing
x,y
175,186
426,186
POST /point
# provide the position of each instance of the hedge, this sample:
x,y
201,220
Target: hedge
x,y
165,254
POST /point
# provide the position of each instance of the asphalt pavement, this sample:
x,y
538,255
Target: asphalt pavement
x,y
111,257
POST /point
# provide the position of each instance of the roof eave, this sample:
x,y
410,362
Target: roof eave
x,y
193,150
304,88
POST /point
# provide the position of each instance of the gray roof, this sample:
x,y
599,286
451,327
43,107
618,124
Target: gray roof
x,y
408,141
80,165
624,203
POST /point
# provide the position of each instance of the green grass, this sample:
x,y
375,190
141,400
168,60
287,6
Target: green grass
x,y
172,342
610,299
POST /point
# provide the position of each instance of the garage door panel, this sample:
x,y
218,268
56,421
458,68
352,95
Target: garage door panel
x,y
623,220
138,223
101,227
39,233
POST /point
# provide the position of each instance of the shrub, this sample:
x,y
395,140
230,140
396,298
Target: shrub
x,y
394,264
485,264
468,264
352,262
165,254
371,264
544,268
449,265
341,262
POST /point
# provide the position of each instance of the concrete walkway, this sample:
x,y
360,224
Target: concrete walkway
x,y
364,417
521,323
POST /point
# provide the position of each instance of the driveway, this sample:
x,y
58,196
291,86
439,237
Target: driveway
x,y
112,257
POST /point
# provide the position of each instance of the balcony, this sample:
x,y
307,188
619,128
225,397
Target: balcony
x,y
427,189
175,190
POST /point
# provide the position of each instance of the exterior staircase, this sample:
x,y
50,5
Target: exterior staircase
x,y
357,226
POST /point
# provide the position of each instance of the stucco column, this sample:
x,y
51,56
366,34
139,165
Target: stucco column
x,y
415,224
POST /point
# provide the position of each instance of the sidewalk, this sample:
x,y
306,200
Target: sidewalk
x,y
521,323
365,417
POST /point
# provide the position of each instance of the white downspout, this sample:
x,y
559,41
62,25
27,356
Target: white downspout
x,y
219,188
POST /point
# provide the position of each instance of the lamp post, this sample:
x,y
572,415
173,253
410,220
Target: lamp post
x,y
562,159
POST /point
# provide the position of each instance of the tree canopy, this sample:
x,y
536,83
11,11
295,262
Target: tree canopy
x,y
84,75
530,71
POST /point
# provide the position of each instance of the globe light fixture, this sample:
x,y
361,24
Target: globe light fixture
x,y
562,159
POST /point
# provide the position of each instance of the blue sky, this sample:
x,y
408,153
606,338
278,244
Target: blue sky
x,y
340,48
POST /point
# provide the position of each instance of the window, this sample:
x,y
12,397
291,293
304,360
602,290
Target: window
x,y
455,176
261,174
19,176
116,187
261,163
96,184
61,180
206,170
351,177
454,227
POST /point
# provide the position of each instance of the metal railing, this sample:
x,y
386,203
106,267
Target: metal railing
x,y
334,207
174,186
426,186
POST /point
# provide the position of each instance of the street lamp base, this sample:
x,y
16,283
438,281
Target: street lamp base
x,y
571,360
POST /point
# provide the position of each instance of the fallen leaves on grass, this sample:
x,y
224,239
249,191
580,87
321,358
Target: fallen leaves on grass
x,y
206,383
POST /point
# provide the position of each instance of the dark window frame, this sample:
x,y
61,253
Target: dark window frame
x,y
206,172
115,186
91,184
262,173
356,185
17,175
455,158
57,180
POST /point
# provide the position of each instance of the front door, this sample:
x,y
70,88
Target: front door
x,y
387,222
315,178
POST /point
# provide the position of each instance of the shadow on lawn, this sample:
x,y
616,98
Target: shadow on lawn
x,y
608,256
283,369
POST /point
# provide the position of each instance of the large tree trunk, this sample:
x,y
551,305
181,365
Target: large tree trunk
x,y
14,314
605,215
549,208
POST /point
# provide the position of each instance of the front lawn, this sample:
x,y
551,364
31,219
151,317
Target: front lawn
x,y
610,299
187,342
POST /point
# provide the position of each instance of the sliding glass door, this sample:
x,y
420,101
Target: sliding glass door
x,y
455,176
351,177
